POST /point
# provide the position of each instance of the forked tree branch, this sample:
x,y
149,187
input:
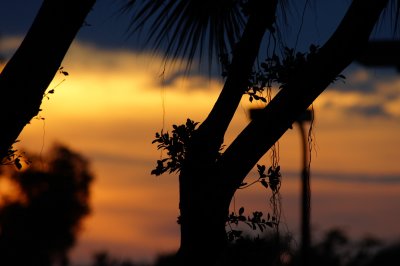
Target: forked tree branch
x,y
303,88
244,55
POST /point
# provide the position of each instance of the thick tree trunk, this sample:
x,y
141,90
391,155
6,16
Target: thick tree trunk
x,y
207,182
203,217
204,209
29,72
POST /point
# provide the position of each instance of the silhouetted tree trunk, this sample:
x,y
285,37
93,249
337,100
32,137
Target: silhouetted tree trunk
x,y
207,181
203,205
29,72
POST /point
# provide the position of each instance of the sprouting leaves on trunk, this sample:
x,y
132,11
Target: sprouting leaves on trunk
x,y
176,145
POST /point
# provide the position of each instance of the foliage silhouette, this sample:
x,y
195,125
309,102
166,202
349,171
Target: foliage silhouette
x,y
337,249
14,157
41,224
208,179
176,146
179,25
246,251
387,256
334,249
105,259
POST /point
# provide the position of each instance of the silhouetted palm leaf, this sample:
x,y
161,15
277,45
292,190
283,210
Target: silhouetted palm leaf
x,y
392,13
186,28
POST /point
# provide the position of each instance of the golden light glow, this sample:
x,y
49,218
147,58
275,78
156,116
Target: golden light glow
x,y
112,103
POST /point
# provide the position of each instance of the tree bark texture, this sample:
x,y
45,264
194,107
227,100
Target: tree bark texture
x,y
29,72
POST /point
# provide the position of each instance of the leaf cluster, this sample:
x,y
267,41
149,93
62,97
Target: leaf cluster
x,y
271,179
62,71
51,91
279,70
176,145
14,157
256,221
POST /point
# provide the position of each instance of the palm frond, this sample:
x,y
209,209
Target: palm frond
x,y
391,18
395,11
187,28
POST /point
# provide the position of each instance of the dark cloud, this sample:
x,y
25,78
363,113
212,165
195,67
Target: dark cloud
x,y
368,111
374,75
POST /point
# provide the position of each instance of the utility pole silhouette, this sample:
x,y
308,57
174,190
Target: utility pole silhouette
x,y
307,116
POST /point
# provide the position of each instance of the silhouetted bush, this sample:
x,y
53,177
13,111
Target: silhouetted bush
x,y
104,259
264,251
334,249
387,256
41,224
337,249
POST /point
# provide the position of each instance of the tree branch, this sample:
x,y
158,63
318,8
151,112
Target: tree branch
x,y
29,72
303,88
215,125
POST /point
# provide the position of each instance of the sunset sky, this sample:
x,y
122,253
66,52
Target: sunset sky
x,y
114,100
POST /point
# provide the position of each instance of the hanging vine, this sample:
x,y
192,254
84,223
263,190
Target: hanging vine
x,y
274,70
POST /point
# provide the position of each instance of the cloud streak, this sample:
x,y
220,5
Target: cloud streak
x,y
113,102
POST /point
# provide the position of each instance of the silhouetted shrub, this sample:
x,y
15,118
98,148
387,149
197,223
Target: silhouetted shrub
x,y
104,259
40,225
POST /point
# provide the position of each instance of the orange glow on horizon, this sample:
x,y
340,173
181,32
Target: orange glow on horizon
x,y
112,103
